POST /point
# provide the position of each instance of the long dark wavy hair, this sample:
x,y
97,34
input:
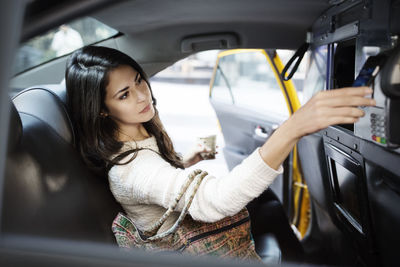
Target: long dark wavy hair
x,y
86,79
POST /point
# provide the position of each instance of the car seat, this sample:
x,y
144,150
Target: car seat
x,y
274,238
49,192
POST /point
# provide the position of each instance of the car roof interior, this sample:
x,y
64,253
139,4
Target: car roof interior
x,y
257,23
157,37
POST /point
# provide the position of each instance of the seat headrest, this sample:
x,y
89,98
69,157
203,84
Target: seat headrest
x,y
47,103
14,129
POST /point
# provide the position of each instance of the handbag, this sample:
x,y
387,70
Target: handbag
x,y
229,237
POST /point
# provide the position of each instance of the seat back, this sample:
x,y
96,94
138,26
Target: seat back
x,y
274,238
324,240
313,163
49,192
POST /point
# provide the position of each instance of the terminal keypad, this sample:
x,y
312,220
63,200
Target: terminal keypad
x,y
378,128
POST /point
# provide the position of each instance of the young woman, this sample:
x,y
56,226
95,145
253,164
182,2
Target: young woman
x,y
120,133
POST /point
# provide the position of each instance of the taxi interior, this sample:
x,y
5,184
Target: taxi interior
x,y
55,211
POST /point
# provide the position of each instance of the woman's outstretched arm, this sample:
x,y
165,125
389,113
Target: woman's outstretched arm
x,y
149,179
322,110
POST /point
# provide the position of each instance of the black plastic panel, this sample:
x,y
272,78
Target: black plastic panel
x,y
346,180
350,196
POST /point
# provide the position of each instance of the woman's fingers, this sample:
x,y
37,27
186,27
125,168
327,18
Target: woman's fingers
x,y
343,101
328,117
341,120
339,106
345,93
325,112
352,96
347,112
348,91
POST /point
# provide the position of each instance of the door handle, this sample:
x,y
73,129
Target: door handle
x,y
261,132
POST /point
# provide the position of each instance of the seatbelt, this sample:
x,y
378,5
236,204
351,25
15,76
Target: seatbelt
x,y
298,56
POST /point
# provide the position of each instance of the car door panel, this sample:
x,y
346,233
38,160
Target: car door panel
x,y
240,128
249,104
243,130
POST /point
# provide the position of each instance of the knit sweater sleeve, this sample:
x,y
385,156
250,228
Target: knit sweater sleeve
x,y
149,179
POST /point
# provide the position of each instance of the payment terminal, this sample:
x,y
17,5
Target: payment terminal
x,y
381,124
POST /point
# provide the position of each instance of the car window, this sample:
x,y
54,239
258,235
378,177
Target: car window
x,y
59,42
298,78
182,93
316,75
246,80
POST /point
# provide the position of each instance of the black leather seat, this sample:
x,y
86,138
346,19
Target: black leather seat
x,y
274,238
49,192
313,163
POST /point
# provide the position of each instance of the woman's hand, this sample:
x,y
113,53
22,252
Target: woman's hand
x,y
339,106
324,109
195,155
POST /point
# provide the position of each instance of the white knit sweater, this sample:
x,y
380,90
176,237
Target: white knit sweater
x,y
146,186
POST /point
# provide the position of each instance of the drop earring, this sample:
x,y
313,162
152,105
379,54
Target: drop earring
x,y
103,115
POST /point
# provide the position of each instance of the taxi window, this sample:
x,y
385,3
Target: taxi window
x,y
246,80
316,73
59,42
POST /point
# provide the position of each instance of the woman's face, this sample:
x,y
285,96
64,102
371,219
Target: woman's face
x,y
128,98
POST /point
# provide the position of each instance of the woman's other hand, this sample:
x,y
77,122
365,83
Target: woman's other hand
x,y
198,153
